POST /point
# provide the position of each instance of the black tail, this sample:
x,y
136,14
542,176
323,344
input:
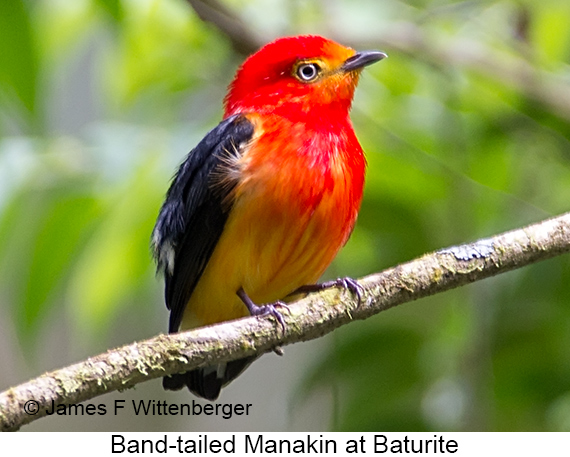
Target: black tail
x,y
207,382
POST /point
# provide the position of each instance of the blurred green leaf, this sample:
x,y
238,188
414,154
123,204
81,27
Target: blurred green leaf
x,y
374,368
43,234
113,7
68,220
550,31
18,60
117,257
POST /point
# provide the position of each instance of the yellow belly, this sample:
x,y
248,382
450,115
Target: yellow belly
x,y
266,255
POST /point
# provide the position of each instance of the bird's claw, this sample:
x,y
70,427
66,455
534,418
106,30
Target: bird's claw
x,y
352,285
270,309
264,310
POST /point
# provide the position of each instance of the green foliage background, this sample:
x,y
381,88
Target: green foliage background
x,y
466,128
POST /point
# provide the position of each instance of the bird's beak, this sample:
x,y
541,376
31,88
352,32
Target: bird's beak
x,y
362,59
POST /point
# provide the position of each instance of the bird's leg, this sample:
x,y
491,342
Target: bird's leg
x,y
263,310
346,283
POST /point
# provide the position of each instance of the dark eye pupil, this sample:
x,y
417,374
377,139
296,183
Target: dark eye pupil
x,y
308,72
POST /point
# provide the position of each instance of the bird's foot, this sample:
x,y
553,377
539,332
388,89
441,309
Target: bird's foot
x,y
350,284
263,310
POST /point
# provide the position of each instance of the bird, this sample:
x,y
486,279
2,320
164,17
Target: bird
x,y
261,206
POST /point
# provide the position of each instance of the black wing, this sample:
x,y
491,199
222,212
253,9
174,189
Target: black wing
x,y
195,211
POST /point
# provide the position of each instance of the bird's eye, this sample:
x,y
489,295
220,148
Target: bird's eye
x,y
308,72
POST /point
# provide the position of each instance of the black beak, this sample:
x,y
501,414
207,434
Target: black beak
x,y
362,59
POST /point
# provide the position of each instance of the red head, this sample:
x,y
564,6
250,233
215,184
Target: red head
x,y
295,76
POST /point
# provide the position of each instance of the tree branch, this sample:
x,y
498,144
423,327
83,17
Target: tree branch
x,y
243,40
512,71
310,318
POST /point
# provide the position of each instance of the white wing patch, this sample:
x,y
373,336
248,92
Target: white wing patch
x,y
164,252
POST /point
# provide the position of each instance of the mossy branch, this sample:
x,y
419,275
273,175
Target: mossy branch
x,y
310,318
